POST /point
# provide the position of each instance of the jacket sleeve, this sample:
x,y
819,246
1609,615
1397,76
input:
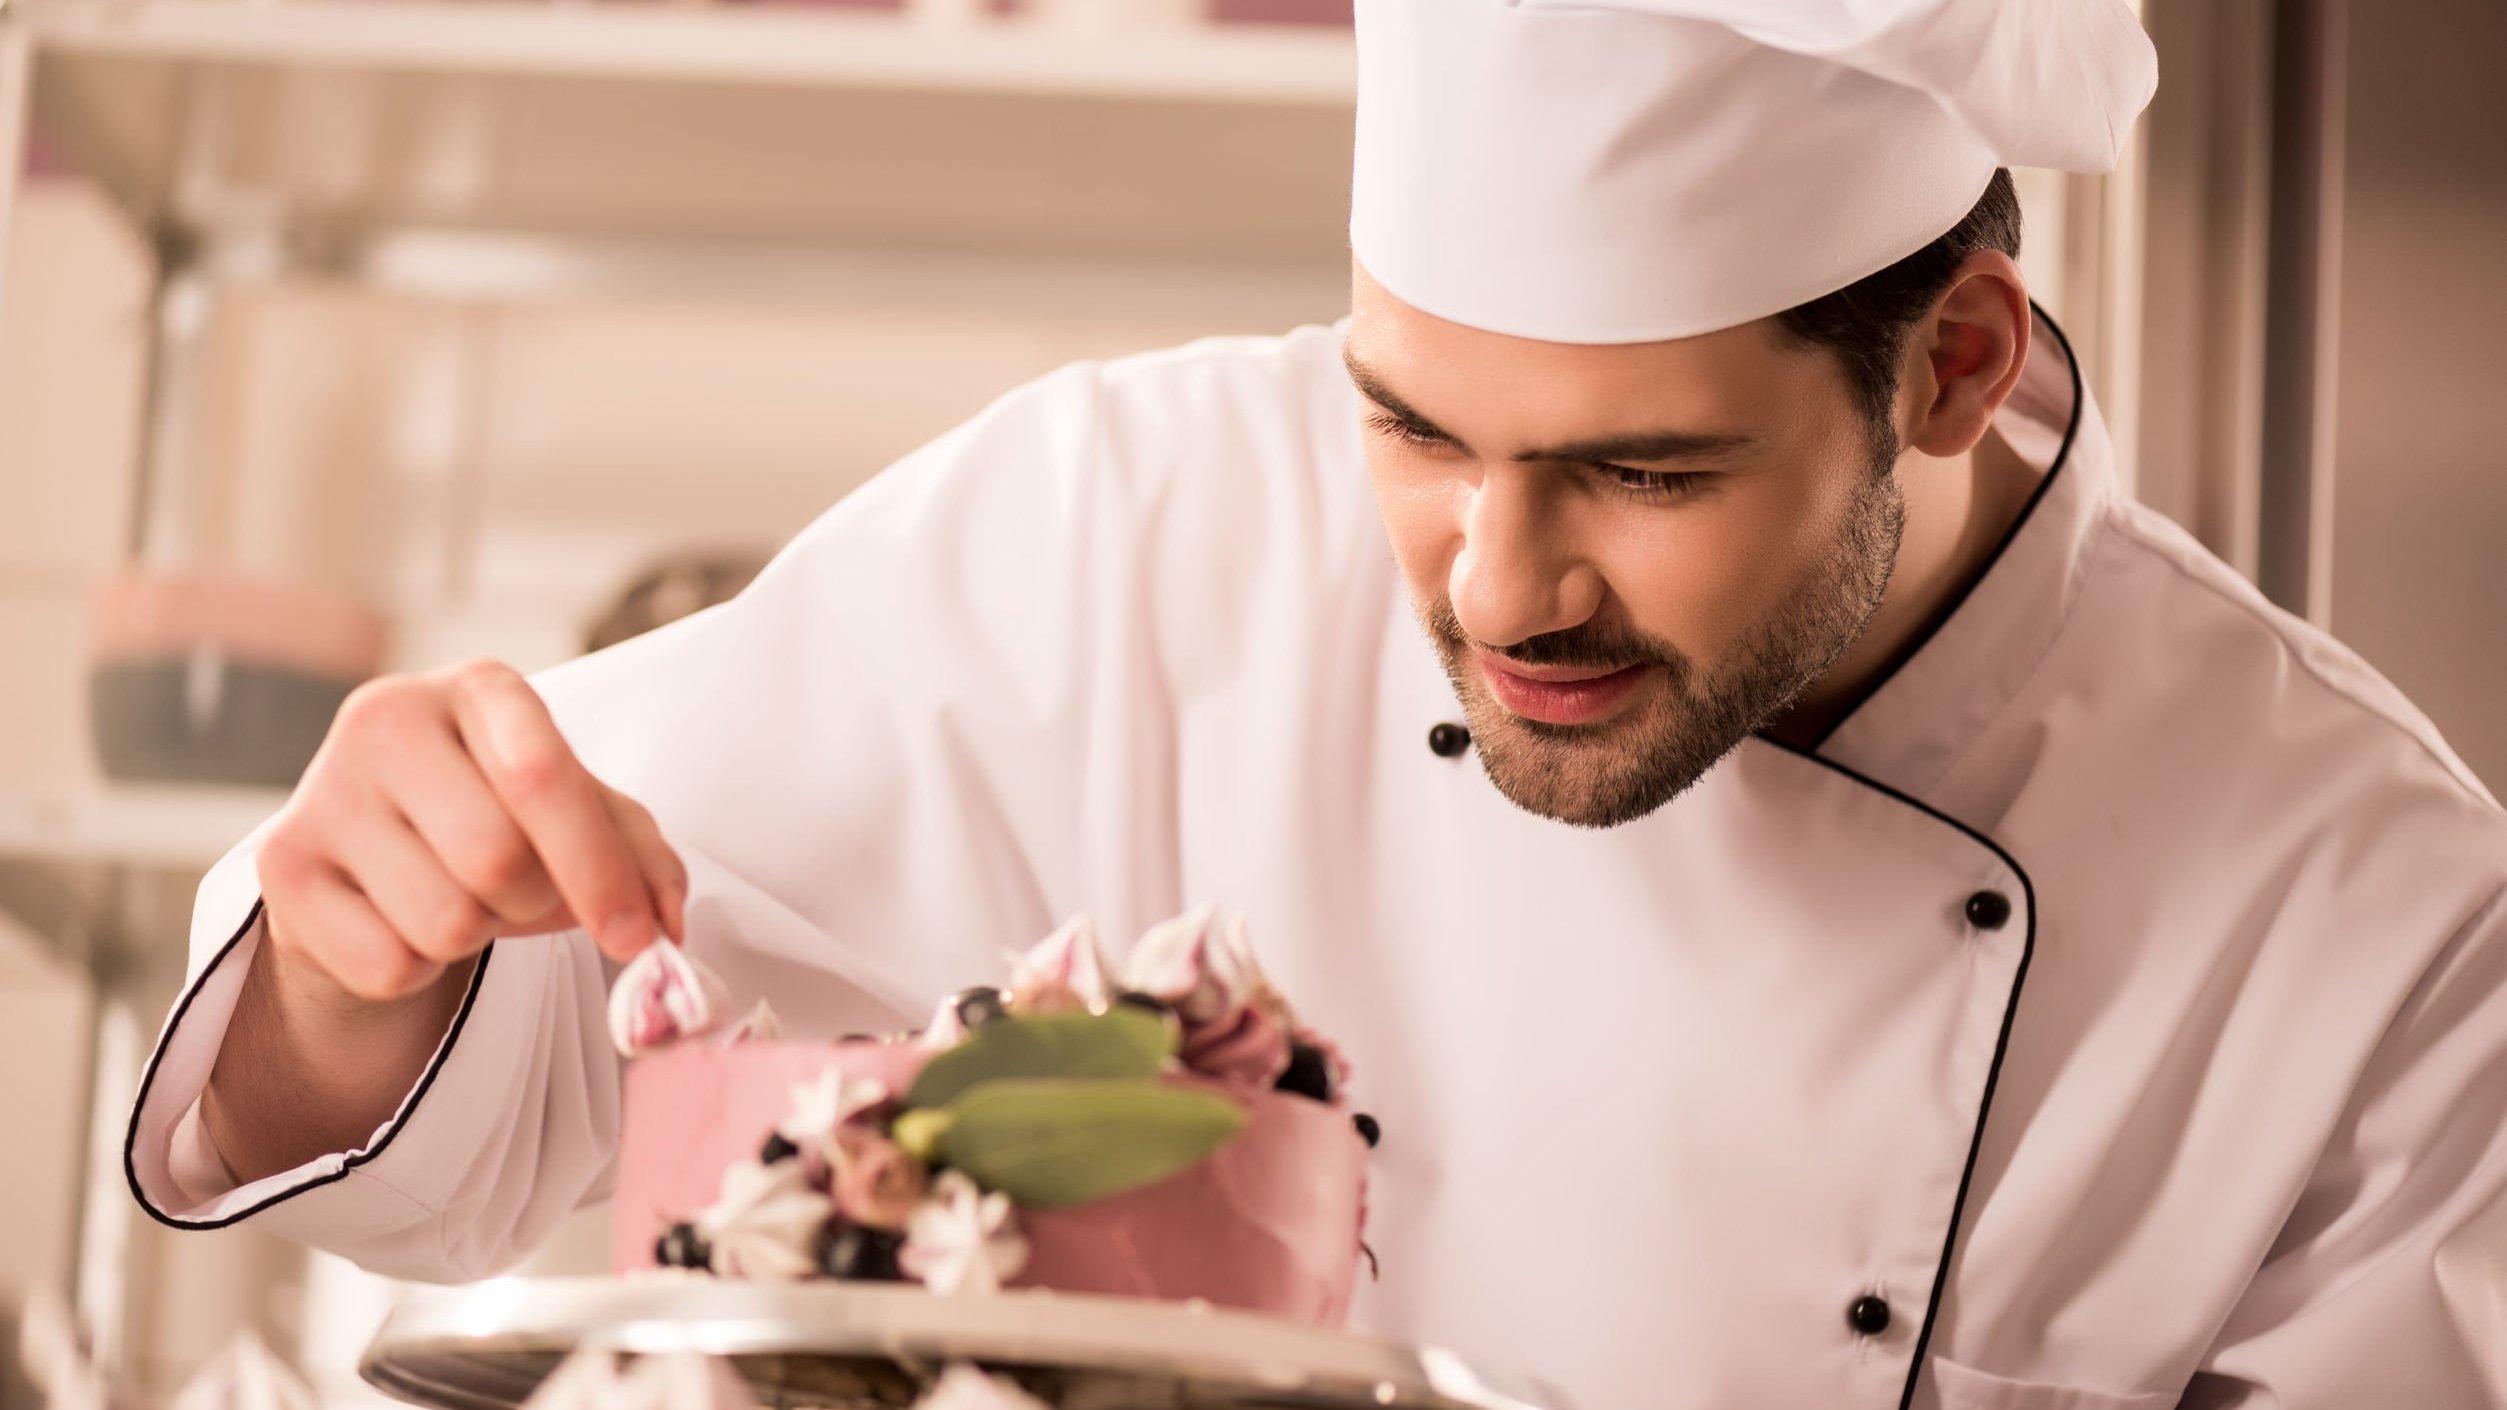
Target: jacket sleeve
x,y
936,721
2388,1284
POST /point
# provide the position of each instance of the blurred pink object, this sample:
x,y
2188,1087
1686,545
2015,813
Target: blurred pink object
x,y
1315,12
216,677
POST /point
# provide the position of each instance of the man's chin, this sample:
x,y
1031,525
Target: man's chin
x,y
1599,779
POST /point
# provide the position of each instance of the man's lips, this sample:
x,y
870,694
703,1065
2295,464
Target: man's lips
x,y
1558,695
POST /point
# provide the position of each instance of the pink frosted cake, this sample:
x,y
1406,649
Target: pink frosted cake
x,y
1174,1134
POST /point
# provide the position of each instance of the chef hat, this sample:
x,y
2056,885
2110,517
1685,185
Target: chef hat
x,y
1610,171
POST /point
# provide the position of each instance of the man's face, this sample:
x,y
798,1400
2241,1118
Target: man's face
x,y
1629,557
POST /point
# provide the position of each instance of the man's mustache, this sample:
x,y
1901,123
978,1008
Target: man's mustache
x,y
1594,646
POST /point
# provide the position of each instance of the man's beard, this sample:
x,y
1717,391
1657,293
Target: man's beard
x,y
1622,769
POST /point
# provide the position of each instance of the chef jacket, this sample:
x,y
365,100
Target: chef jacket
x,y
2109,1014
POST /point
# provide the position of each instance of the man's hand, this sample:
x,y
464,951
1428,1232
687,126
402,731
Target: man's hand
x,y
442,811
445,810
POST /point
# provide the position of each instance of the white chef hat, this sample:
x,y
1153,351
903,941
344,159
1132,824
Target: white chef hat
x,y
1611,171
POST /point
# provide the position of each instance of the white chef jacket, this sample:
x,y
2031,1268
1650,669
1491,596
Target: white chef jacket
x,y
2118,996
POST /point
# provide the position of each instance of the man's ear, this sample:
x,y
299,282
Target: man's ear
x,y
1965,357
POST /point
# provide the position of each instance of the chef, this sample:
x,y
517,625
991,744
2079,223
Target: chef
x,y
1833,904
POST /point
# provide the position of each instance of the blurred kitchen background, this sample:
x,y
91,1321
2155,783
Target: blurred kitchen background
x,y
352,335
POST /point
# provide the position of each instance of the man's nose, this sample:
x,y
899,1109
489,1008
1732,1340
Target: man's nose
x,y
1518,575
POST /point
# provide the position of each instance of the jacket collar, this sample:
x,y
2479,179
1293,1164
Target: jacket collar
x,y
1960,676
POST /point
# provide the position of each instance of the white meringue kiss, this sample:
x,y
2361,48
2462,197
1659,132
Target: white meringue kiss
x,y
681,1380
1194,965
759,1025
963,1240
946,1029
963,1387
245,1376
1066,970
765,1223
662,996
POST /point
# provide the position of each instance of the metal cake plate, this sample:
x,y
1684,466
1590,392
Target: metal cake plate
x,y
854,1346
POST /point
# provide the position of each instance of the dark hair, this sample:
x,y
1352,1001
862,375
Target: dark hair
x,y
1866,322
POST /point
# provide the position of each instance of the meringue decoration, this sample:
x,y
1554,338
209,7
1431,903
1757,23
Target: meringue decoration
x,y
963,1387
1188,964
820,1107
766,1222
946,1030
590,1379
585,1380
963,1240
663,995
245,1376
1066,972
759,1025
685,1380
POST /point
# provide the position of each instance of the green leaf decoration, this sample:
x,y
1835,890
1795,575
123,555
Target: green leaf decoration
x,y
1123,1042
1051,1142
918,1133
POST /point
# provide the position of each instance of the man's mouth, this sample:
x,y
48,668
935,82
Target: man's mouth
x,y
1559,695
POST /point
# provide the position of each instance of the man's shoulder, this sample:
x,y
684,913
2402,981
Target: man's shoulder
x,y
2208,657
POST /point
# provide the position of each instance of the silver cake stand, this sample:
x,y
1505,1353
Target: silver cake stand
x,y
851,1346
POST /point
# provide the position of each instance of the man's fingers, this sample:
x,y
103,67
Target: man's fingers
x,y
407,885
358,949
664,874
438,787
559,806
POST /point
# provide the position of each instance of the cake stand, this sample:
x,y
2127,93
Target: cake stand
x,y
855,1346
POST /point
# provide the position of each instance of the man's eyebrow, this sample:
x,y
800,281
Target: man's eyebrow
x,y
1373,389
1638,446
1644,445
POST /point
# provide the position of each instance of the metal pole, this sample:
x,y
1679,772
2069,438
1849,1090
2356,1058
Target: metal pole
x,y
2302,300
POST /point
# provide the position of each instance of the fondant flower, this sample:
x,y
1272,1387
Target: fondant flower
x,y
759,1025
661,996
876,1185
1250,1048
1191,966
765,1224
963,1240
826,1102
1065,973
962,1387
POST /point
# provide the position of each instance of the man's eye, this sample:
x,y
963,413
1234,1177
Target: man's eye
x,y
1387,424
1652,484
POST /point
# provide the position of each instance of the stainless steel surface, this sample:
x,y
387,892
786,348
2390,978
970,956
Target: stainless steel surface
x,y
849,1345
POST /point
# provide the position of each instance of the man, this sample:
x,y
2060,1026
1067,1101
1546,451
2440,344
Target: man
x,y
1920,932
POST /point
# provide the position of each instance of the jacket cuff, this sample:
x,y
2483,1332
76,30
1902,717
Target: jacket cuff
x,y
177,1174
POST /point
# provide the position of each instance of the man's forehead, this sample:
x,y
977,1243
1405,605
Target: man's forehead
x,y
1714,395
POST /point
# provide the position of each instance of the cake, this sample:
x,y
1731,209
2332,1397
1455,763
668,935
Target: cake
x,y
1171,1132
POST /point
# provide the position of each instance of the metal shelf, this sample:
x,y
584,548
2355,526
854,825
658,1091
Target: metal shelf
x,y
334,119
1199,63
165,828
